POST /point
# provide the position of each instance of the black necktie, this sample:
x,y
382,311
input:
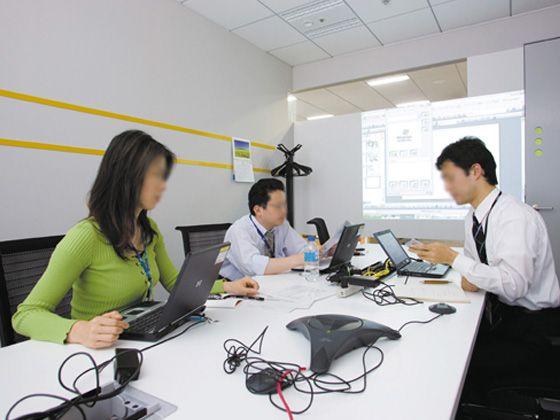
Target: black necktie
x,y
492,304
479,237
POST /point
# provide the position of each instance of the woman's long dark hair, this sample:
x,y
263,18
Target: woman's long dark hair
x,y
115,195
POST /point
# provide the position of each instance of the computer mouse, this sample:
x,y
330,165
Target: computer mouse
x,y
443,308
264,381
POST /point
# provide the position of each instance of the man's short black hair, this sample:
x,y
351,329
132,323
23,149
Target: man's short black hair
x,y
259,194
465,153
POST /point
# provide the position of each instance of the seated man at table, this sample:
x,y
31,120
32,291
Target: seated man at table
x,y
263,242
506,253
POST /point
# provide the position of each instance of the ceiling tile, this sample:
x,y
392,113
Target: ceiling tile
x,y
373,10
521,6
408,26
436,2
320,17
361,95
282,5
327,101
305,110
270,33
346,41
230,14
439,83
401,92
301,53
459,13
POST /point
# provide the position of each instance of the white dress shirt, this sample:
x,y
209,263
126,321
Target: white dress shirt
x,y
520,269
246,256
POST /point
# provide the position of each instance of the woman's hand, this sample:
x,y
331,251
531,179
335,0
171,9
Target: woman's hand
x,y
243,287
102,331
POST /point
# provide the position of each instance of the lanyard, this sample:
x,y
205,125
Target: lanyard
x,y
144,262
270,250
485,218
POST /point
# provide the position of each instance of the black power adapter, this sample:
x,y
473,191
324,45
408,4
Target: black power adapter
x,y
126,365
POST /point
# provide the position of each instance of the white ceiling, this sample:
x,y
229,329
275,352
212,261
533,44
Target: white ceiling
x,y
302,31
438,83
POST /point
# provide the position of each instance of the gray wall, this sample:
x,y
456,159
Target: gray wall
x,y
153,59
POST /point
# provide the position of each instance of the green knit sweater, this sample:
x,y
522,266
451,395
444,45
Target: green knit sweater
x,y
101,281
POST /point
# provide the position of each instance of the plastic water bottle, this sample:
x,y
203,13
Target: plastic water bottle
x,y
311,260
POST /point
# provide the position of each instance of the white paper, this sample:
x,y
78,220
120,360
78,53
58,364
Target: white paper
x,y
450,293
300,296
242,162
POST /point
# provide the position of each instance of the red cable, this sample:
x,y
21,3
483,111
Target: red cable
x,y
279,391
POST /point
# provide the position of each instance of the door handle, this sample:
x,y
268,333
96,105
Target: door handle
x,y
544,208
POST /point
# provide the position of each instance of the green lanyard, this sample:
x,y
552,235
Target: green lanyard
x,y
144,262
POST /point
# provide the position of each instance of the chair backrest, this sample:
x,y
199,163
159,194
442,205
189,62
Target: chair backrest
x,y
22,263
202,236
322,231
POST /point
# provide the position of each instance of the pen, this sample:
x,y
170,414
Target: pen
x,y
259,298
436,281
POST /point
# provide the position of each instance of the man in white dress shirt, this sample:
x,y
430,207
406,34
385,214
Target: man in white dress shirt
x,y
507,253
263,242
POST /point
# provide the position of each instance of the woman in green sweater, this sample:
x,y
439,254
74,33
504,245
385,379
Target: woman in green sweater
x,y
113,258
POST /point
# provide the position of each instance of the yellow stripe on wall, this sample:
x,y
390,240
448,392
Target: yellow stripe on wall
x,y
87,151
108,114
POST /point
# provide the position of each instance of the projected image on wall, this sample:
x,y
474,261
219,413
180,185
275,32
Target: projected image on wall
x,y
400,147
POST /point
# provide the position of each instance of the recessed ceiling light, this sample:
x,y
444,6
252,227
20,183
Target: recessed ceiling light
x,y
319,117
292,98
414,103
308,24
388,80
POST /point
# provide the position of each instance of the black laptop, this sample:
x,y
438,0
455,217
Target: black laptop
x,y
151,320
344,250
405,265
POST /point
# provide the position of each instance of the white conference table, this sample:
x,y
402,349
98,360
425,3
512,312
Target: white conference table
x,y
421,377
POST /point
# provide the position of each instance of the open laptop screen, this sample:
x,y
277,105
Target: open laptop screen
x,y
392,248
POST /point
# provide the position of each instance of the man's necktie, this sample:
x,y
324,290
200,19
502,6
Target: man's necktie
x,y
269,236
479,237
491,308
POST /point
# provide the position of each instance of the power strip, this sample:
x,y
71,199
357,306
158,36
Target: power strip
x,y
349,291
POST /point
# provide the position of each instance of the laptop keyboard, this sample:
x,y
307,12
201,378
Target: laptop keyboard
x,y
418,267
146,323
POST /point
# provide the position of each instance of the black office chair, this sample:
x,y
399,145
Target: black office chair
x,y
322,231
22,263
202,236
529,393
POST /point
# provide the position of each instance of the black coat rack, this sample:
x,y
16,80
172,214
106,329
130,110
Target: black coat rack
x,y
289,169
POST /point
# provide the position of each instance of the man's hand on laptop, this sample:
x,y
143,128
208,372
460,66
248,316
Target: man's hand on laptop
x,y
435,252
242,287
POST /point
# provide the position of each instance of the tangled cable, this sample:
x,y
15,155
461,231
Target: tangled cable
x,y
289,374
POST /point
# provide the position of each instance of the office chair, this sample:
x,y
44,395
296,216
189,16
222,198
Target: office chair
x,y
531,393
22,263
202,236
322,231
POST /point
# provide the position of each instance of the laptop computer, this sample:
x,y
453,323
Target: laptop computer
x,y
151,320
344,250
405,265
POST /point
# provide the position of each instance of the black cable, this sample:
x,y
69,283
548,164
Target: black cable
x,y
384,295
315,384
91,397
419,322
